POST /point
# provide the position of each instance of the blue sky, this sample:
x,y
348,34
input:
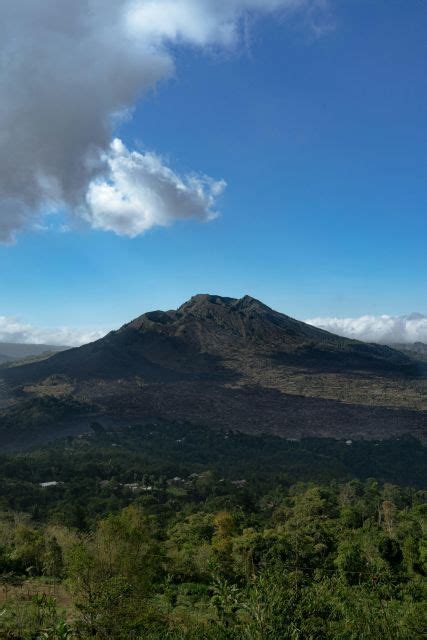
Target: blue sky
x,y
321,139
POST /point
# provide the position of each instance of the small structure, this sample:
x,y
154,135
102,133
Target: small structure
x,y
132,486
239,483
52,483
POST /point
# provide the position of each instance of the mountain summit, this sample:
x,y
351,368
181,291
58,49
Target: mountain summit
x,y
234,363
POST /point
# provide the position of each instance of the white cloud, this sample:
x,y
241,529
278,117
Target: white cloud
x,y
140,192
68,70
15,330
199,22
382,329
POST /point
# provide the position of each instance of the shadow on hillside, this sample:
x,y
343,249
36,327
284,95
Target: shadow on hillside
x,y
373,359
154,357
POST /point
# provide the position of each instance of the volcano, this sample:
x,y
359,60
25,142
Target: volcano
x,y
237,364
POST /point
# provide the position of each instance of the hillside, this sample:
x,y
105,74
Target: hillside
x,y
416,350
235,363
12,351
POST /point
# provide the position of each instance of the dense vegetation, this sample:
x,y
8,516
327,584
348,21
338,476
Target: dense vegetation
x,y
172,532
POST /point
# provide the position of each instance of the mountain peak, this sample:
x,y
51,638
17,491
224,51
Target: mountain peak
x,y
205,300
251,304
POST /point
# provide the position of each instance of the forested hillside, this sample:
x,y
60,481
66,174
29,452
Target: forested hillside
x,y
171,532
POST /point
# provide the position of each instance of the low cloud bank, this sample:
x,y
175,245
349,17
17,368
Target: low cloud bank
x,y
14,330
382,329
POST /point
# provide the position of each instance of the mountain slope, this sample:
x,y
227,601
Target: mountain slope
x,y
235,363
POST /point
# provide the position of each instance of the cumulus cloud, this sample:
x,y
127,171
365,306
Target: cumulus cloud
x,y
381,329
140,191
67,70
15,330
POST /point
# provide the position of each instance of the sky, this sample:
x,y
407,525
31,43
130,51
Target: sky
x,y
155,149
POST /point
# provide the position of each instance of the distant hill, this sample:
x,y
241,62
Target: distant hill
x,y
15,351
235,363
417,350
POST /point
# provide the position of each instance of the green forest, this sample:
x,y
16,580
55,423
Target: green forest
x,y
169,531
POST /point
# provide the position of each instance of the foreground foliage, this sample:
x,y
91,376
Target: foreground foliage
x,y
125,553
